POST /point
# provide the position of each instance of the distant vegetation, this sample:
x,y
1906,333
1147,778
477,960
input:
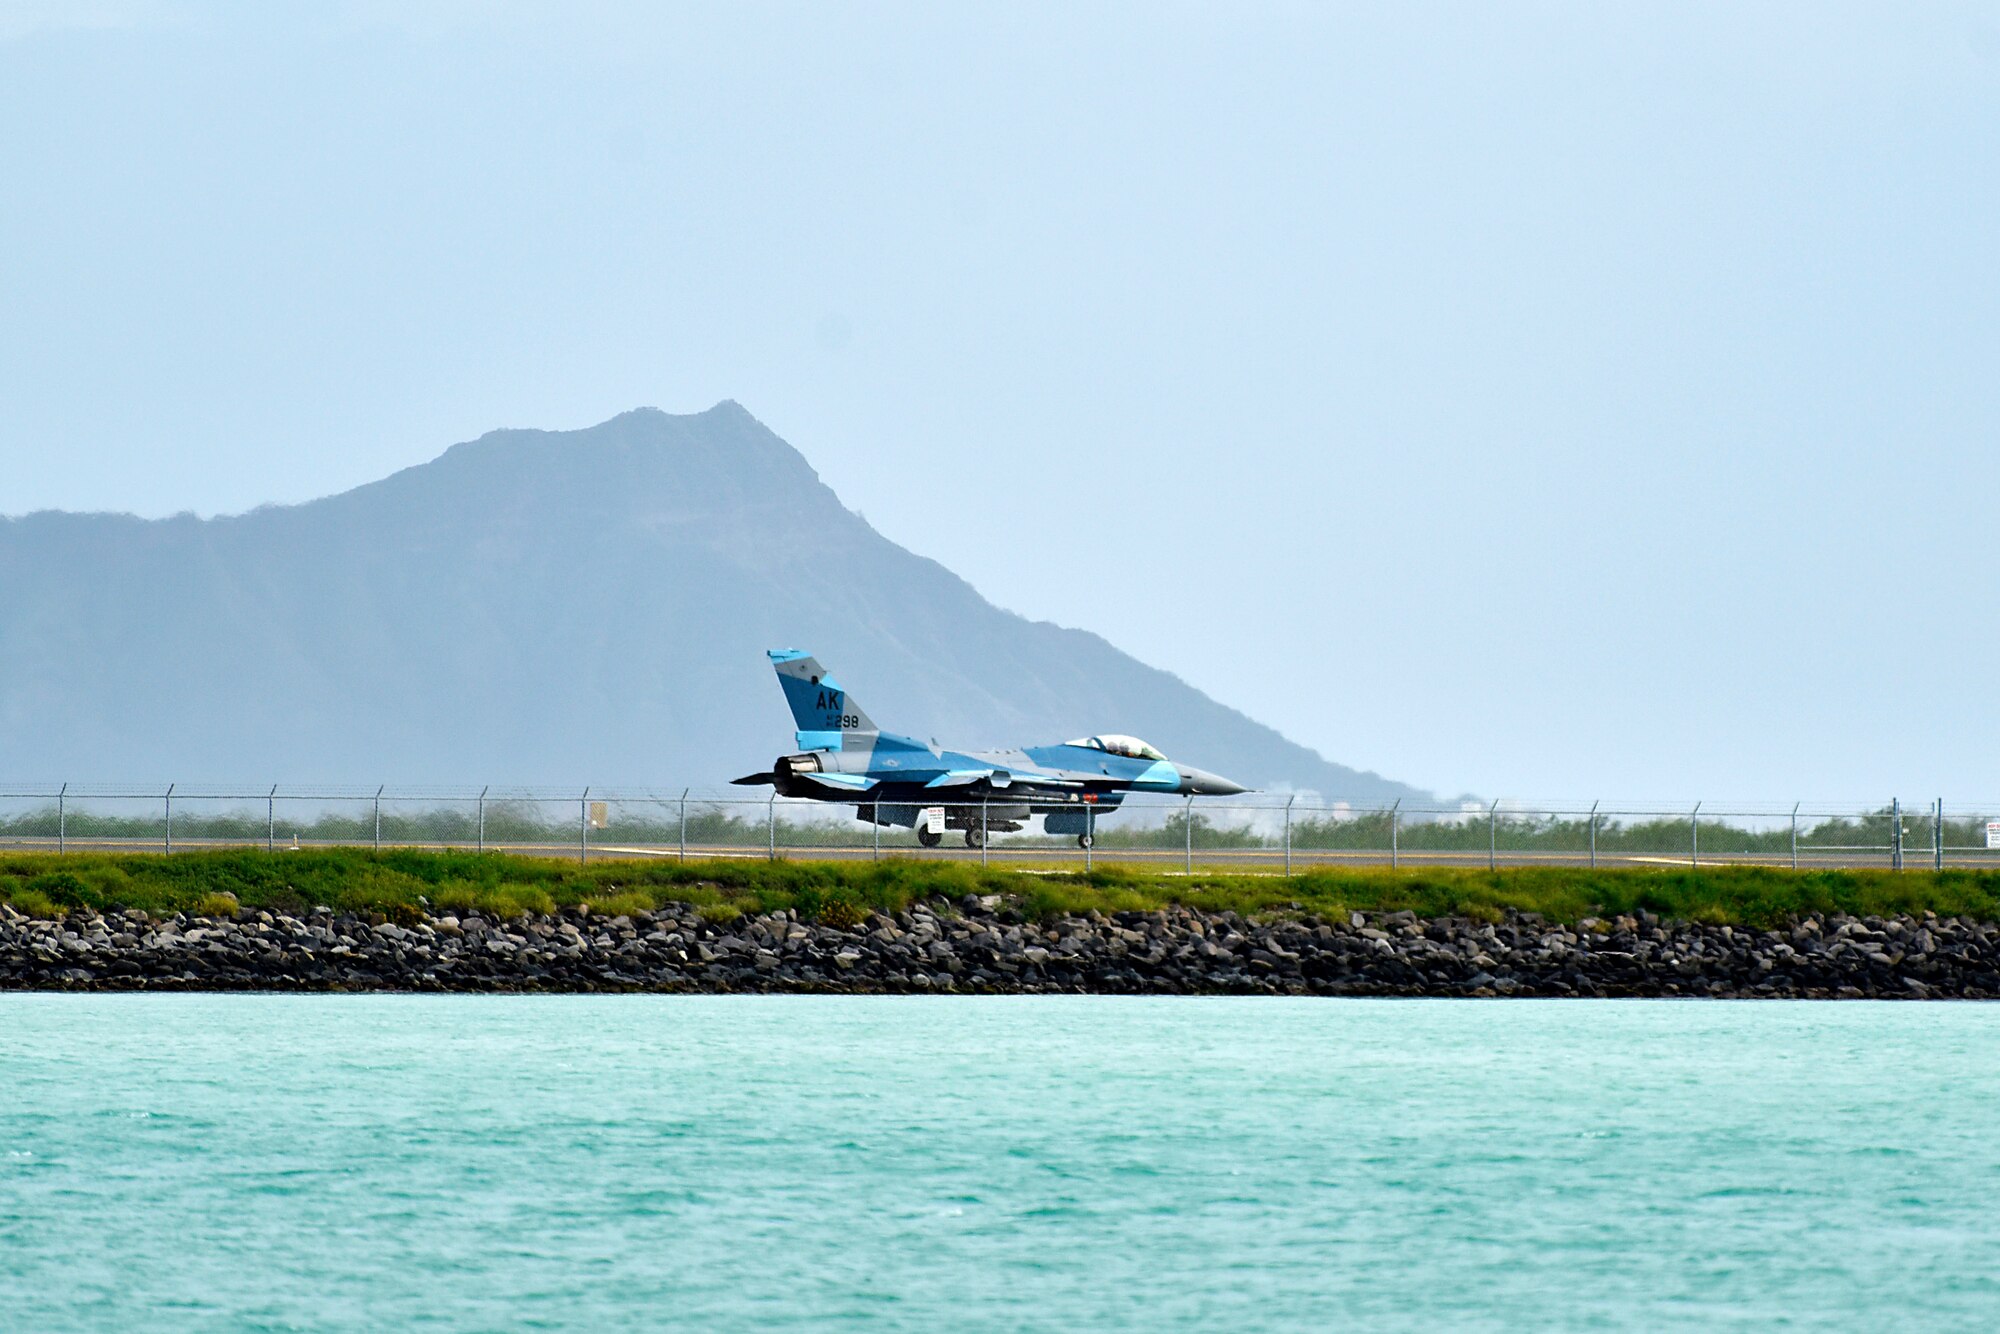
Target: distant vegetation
x,y
456,825
1662,835
406,885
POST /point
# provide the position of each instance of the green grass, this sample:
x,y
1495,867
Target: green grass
x,y
405,884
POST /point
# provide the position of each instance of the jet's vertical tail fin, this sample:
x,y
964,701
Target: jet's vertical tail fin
x,y
824,712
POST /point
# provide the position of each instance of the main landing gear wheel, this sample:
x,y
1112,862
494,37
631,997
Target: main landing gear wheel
x,y
1086,842
975,837
930,838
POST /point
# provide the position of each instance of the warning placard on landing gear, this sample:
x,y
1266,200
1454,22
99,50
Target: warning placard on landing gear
x,y
934,819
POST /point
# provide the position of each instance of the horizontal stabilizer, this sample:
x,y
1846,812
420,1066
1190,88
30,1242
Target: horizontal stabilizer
x,y
843,782
754,780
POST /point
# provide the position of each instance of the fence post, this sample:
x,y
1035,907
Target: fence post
x,y
1190,834
985,827
1089,836
482,816
684,824
1937,837
378,818
583,828
1395,828
771,823
1493,835
62,819
1694,835
1895,833
271,819
1795,836
1288,831
1593,831
875,829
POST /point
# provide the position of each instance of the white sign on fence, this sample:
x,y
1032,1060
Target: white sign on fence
x,y
1993,833
934,819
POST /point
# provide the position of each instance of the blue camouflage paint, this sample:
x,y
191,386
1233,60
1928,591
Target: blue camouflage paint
x,y
1086,757
816,705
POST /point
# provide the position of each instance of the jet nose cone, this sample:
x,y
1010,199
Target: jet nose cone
x,y
1201,783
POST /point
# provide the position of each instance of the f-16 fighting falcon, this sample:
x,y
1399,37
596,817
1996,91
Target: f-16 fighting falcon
x,y
897,780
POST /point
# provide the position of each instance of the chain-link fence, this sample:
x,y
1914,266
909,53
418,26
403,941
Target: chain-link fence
x,y
1252,832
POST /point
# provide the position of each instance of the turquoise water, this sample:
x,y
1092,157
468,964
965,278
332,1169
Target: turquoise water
x,y
222,1162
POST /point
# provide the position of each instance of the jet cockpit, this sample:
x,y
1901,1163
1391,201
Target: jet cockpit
x,y
1131,747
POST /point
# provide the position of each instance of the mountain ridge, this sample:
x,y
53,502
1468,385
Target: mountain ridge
x,y
548,606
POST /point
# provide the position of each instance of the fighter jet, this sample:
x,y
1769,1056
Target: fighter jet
x,y
898,780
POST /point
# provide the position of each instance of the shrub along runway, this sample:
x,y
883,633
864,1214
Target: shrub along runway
x,y
407,920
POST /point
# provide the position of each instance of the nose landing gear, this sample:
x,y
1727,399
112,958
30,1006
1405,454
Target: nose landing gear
x,y
1086,842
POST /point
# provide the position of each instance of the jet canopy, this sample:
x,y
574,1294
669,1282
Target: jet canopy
x,y
1130,747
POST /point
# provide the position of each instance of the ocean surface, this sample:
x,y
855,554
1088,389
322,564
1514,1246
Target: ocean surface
x,y
416,1162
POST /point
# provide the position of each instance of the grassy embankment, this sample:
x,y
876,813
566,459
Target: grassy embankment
x,y
404,884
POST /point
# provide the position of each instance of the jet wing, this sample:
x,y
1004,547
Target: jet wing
x,y
998,778
959,777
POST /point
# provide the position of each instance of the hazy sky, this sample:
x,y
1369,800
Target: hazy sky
x,y
1526,399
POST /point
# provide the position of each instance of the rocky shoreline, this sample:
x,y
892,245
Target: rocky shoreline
x,y
980,946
